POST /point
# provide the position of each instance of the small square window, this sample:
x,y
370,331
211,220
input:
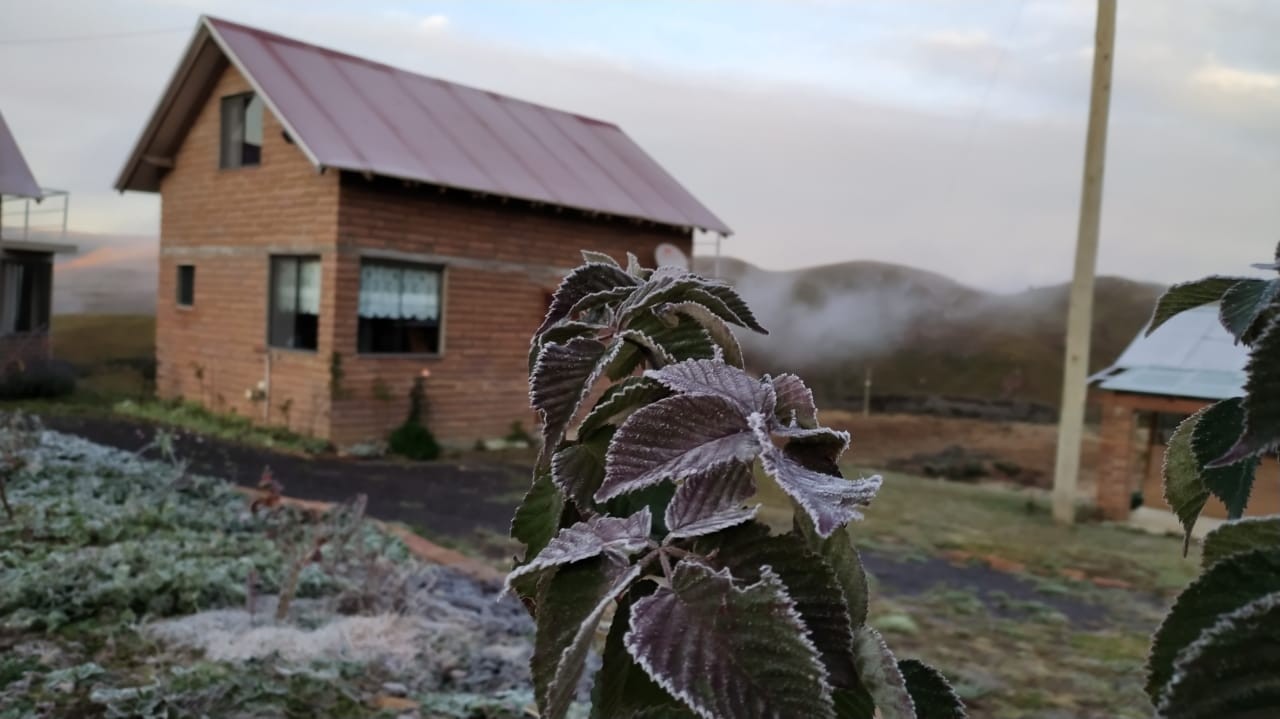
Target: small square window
x,y
241,131
186,285
294,319
400,308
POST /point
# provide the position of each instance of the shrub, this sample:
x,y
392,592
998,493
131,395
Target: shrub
x,y
412,439
1215,654
39,379
716,616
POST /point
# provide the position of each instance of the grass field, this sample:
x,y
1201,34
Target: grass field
x,y
114,354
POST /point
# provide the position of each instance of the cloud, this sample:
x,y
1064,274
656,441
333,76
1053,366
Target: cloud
x,y
954,39
434,23
1225,78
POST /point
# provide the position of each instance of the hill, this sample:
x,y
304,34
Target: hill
x,y
923,334
109,274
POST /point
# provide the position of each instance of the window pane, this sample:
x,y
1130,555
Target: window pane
x,y
309,286
251,153
232,130
294,314
399,309
186,285
12,279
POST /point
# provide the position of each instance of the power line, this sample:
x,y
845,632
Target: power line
x,y
86,38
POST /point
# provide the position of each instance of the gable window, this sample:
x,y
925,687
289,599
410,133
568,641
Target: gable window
x,y
186,285
25,287
241,131
399,308
294,320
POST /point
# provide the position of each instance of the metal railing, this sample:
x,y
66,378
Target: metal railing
x,y
24,219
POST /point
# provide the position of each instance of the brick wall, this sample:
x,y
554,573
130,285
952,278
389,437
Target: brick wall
x,y
227,223
501,261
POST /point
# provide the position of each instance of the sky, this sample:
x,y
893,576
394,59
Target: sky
x,y
942,134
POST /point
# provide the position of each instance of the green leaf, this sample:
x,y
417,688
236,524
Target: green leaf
x,y
1243,535
1246,307
810,582
715,327
1223,588
729,652
686,340
537,519
570,609
623,690
1220,425
1189,295
578,468
854,703
620,400
1232,669
842,557
1183,489
878,670
1261,405
930,691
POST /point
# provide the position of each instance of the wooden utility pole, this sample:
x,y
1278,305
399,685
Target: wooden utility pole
x,y
1080,311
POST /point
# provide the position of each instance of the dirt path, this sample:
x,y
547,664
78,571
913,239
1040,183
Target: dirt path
x,y
447,498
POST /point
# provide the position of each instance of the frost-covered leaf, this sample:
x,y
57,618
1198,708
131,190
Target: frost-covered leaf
x,y
1232,669
686,340
840,554
597,300
878,670
795,401
640,347
1243,535
538,517
1219,427
1247,306
1184,491
614,537
559,334
830,501
570,609
620,400
585,280
930,691
623,690
1189,295
1223,588
1262,399
666,284
590,256
719,379
561,380
729,652
673,439
714,326
635,269
578,468
811,583
729,296
711,501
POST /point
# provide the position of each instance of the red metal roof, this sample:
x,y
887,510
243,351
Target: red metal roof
x,y
352,114
15,176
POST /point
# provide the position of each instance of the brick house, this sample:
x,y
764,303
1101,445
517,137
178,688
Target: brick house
x,y
26,258
331,227
1188,363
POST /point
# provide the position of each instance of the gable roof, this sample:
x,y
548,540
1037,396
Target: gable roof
x,y
1191,355
349,113
15,175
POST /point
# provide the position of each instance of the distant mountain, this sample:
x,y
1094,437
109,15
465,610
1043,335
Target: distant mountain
x,y
109,274
921,333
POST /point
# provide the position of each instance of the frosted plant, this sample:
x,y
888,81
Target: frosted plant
x,y
639,510
1216,653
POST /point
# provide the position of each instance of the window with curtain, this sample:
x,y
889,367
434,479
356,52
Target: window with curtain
x,y
294,320
399,311
25,288
241,131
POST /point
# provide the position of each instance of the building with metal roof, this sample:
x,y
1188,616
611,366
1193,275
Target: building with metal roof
x,y
1187,363
332,228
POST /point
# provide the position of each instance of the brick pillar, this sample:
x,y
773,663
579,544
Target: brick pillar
x,y
1115,459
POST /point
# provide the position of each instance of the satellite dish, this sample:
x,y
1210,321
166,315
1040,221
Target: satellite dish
x,y
668,255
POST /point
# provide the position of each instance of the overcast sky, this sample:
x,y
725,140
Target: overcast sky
x,y
943,134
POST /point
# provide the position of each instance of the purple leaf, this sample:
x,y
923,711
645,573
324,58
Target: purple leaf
x,y
726,651
577,468
711,501
795,401
620,401
712,377
611,536
673,439
878,670
562,379
585,280
830,501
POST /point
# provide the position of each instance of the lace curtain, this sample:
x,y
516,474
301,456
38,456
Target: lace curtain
x,y
395,292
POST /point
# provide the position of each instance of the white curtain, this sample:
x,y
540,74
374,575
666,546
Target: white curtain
x,y
285,283
391,292
309,287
